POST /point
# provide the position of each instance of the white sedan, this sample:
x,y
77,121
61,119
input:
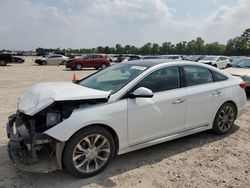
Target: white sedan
x,y
122,108
216,61
52,59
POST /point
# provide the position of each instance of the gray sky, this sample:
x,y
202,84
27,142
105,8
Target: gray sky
x,y
28,24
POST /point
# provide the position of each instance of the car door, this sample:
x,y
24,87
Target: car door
x,y
88,61
203,96
161,115
52,60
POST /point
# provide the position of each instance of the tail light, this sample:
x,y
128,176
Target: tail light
x,y
243,85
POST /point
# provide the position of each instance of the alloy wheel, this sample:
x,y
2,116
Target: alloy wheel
x,y
226,118
91,153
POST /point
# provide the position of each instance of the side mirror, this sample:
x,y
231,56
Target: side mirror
x,y
141,92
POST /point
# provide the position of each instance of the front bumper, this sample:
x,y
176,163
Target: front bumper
x,y
30,151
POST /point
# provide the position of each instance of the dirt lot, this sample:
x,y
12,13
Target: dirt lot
x,y
201,160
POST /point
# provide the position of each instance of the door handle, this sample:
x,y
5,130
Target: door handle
x,y
178,101
216,92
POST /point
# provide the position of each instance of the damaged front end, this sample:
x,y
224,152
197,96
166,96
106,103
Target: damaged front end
x,y
29,147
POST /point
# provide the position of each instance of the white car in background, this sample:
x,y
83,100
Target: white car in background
x,y
173,57
81,126
241,68
52,59
216,61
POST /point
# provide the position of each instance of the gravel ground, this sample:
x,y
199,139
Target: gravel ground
x,y
200,160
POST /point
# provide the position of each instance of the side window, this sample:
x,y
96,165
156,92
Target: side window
x,y
197,75
161,80
219,77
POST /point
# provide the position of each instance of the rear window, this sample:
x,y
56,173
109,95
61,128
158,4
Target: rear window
x,y
219,77
197,75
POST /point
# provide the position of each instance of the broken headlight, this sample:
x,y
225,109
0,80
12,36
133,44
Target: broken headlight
x,y
52,119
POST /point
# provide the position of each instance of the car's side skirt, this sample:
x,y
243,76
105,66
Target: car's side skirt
x,y
164,139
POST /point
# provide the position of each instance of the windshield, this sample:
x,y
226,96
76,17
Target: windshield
x,y
210,58
243,63
113,78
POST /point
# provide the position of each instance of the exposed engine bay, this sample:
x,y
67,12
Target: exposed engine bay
x,y
29,144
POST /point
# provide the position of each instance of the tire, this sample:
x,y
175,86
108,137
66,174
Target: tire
x,y
224,119
19,61
86,157
103,66
44,63
96,68
64,62
78,67
3,63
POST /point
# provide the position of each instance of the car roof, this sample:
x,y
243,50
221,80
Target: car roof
x,y
154,62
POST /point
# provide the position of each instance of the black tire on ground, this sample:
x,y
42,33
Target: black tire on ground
x,y
78,67
73,144
103,66
96,68
224,119
19,61
3,63
64,62
44,63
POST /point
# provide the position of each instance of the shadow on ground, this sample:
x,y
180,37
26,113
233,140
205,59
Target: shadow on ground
x,y
119,165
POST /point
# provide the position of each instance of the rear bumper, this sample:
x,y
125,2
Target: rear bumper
x,y
32,152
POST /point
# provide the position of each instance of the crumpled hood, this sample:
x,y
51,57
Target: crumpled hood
x,y
42,95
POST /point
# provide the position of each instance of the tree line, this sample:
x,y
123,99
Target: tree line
x,y
237,46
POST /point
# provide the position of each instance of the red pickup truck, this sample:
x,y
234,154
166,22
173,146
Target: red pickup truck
x,y
91,60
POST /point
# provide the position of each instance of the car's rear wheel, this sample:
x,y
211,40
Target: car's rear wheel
x,y
64,62
44,63
224,119
104,66
78,67
89,152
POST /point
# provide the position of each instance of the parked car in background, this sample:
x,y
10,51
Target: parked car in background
x,y
241,68
235,59
195,58
174,57
81,126
113,57
132,58
216,61
96,61
17,59
122,57
5,58
52,59
145,57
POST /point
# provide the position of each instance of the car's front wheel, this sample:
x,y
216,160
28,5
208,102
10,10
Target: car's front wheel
x,y
224,119
89,152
